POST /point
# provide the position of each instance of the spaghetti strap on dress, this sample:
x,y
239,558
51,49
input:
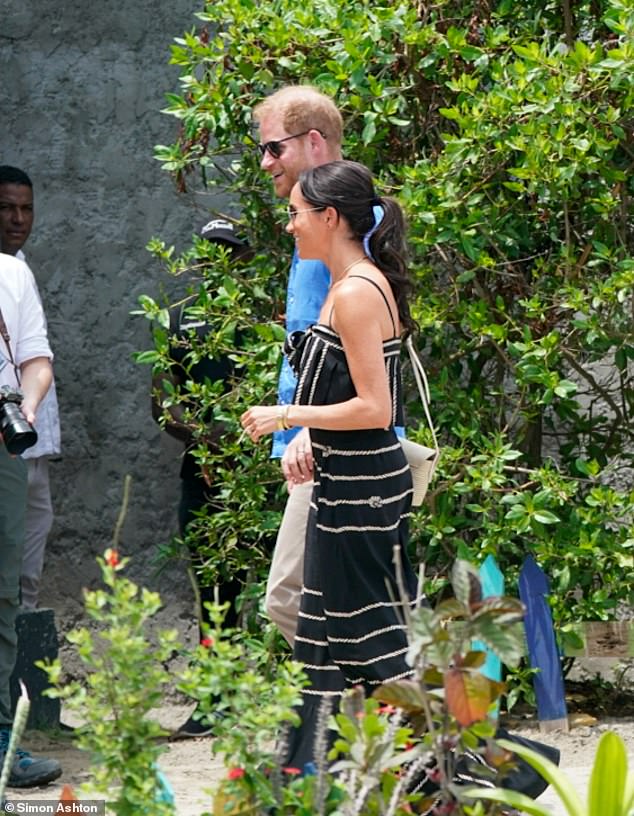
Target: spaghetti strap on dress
x,y
381,292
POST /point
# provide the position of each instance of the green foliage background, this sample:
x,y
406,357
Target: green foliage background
x,y
505,130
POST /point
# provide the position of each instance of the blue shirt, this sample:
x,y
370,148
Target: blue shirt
x,y
308,285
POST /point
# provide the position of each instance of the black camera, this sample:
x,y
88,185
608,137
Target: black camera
x,y
17,433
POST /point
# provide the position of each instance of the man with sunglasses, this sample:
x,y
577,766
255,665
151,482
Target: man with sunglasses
x,y
299,128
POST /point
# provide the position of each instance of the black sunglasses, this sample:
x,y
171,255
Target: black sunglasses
x,y
274,145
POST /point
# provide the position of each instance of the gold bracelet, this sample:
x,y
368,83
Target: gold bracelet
x,y
285,421
279,425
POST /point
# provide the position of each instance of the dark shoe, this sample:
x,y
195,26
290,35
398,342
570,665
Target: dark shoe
x,y
524,778
28,771
471,768
196,725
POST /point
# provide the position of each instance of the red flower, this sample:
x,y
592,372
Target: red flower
x,y
291,771
387,709
235,773
112,558
207,642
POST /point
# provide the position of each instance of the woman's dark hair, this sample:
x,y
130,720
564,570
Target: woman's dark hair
x,y
347,186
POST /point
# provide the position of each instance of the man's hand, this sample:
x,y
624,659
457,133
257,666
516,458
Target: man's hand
x,y
297,462
28,411
37,375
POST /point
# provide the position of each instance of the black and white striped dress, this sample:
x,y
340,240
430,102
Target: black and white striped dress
x,y
349,631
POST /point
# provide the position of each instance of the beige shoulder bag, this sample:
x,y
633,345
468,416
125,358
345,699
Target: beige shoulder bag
x,y
422,460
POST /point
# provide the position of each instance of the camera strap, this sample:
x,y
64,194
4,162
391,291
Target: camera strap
x,y
5,336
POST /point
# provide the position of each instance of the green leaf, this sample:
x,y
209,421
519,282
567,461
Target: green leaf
x,y
620,359
150,356
530,52
506,641
466,276
551,773
546,517
163,318
474,659
507,797
451,608
369,131
465,581
628,795
470,53
582,466
565,388
515,186
450,113
471,251
607,783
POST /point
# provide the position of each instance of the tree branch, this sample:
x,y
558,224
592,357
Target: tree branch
x,y
595,385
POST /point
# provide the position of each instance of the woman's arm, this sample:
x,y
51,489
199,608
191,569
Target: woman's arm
x,y
360,322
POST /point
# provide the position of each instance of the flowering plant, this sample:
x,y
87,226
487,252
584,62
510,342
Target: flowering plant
x,y
397,752
394,754
125,676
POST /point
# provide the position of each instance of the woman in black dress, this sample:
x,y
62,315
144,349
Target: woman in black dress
x,y
350,631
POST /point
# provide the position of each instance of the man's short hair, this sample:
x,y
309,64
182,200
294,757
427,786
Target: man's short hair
x,y
303,107
13,175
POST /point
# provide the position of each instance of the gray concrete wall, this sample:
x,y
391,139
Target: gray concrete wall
x,y
81,88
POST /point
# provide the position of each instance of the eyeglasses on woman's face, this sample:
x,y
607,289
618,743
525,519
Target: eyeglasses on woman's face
x,y
274,146
293,213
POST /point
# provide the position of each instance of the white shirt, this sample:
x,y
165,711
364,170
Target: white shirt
x,y
23,316
49,441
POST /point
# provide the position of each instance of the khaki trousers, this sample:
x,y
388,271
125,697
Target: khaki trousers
x,y
286,577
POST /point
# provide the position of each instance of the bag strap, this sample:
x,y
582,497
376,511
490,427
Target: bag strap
x,y
5,336
423,386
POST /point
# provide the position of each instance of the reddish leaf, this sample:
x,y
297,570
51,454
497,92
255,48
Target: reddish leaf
x,y
468,695
405,694
68,794
503,608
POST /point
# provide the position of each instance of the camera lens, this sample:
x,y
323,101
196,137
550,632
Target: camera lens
x,y
16,432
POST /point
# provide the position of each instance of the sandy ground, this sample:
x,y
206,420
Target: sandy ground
x,y
192,770
189,765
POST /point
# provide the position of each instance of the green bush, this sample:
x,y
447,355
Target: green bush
x,y
505,132
125,680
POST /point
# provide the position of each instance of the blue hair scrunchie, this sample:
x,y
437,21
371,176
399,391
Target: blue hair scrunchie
x,y
378,212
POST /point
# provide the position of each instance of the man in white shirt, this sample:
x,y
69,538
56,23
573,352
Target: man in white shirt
x,y
16,222
25,362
